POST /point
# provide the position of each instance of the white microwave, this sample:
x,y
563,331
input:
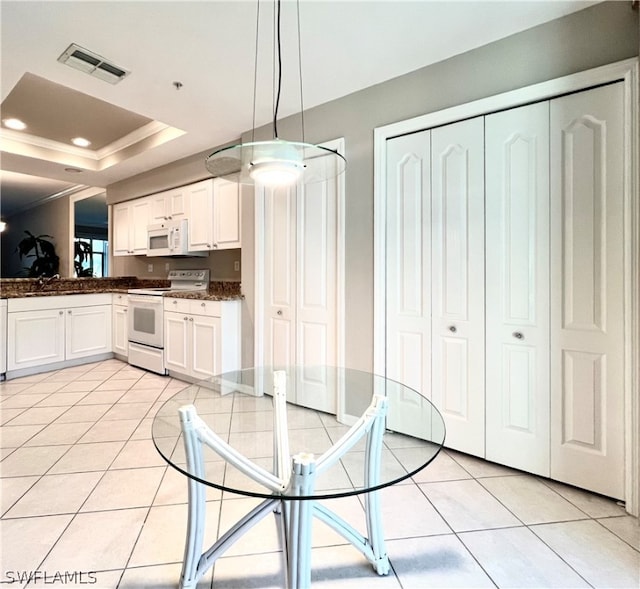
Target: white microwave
x,y
170,238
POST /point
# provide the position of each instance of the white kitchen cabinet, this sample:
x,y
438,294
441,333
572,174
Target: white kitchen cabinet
x,y
43,331
37,338
214,215
87,331
120,328
226,214
169,205
202,338
130,223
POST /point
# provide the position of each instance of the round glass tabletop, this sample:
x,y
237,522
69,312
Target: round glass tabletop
x,y
361,431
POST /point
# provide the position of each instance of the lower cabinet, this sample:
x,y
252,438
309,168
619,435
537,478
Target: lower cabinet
x,y
201,338
68,329
120,327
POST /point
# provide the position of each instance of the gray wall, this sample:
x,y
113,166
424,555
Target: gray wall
x,y
599,35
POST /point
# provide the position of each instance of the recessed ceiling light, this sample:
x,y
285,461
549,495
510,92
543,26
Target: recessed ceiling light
x,y
16,124
73,170
81,142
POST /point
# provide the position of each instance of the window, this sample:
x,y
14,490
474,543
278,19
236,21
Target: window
x,y
90,257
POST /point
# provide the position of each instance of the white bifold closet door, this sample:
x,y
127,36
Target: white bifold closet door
x,y
408,276
587,286
517,287
457,259
300,261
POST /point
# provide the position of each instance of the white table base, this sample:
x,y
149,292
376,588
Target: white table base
x,y
296,478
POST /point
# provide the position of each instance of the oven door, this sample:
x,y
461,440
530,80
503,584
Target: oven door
x,y
145,320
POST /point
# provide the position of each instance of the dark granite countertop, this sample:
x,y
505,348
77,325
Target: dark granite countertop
x,y
12,288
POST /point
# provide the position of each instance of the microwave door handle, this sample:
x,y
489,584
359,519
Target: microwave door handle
x,y
171,236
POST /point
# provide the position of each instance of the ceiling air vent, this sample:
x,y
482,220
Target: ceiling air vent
x,y
93,64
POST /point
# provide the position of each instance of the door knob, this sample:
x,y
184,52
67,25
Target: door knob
x,y
518,335
453,328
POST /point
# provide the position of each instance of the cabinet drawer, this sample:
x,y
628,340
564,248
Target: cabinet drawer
x,y
120,299
176,305
207,308
58,302
193,307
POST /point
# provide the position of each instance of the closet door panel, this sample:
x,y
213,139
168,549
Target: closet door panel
x,y
587,329
457,156
517,287
408,270
280,276
317,283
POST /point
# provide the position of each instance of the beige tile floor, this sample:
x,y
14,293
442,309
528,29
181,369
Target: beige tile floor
x,y
84,491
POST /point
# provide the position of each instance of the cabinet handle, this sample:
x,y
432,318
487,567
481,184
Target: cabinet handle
x,y
209,245
518,335
279,312
69,311
215,245
60,312
453,328
190,318
185,318
175,302
202,305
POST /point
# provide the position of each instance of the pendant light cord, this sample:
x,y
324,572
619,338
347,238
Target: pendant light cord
x,y
300,70
255,73
279,47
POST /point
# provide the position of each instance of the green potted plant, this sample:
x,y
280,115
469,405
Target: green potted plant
x,y
46,263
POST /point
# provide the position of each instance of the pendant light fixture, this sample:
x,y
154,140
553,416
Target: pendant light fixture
x,y
276,162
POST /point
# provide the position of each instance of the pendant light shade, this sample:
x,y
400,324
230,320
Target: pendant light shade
x,y
277,162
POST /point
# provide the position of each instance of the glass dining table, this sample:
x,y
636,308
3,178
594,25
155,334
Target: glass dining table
x,y
293,436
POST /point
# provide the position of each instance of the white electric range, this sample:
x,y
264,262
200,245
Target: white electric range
x,y
146,326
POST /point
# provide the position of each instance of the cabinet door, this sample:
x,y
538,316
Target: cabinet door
x,y
457,169
121,229
279,276
517,267
587,282
169,205
176,342
226,215
176,203
200,198
205,348
158,212
88,331
408,270
140,218
120,330
35,338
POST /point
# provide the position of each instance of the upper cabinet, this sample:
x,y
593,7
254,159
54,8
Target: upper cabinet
x,y
214,215
170,205
130,222
212,208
